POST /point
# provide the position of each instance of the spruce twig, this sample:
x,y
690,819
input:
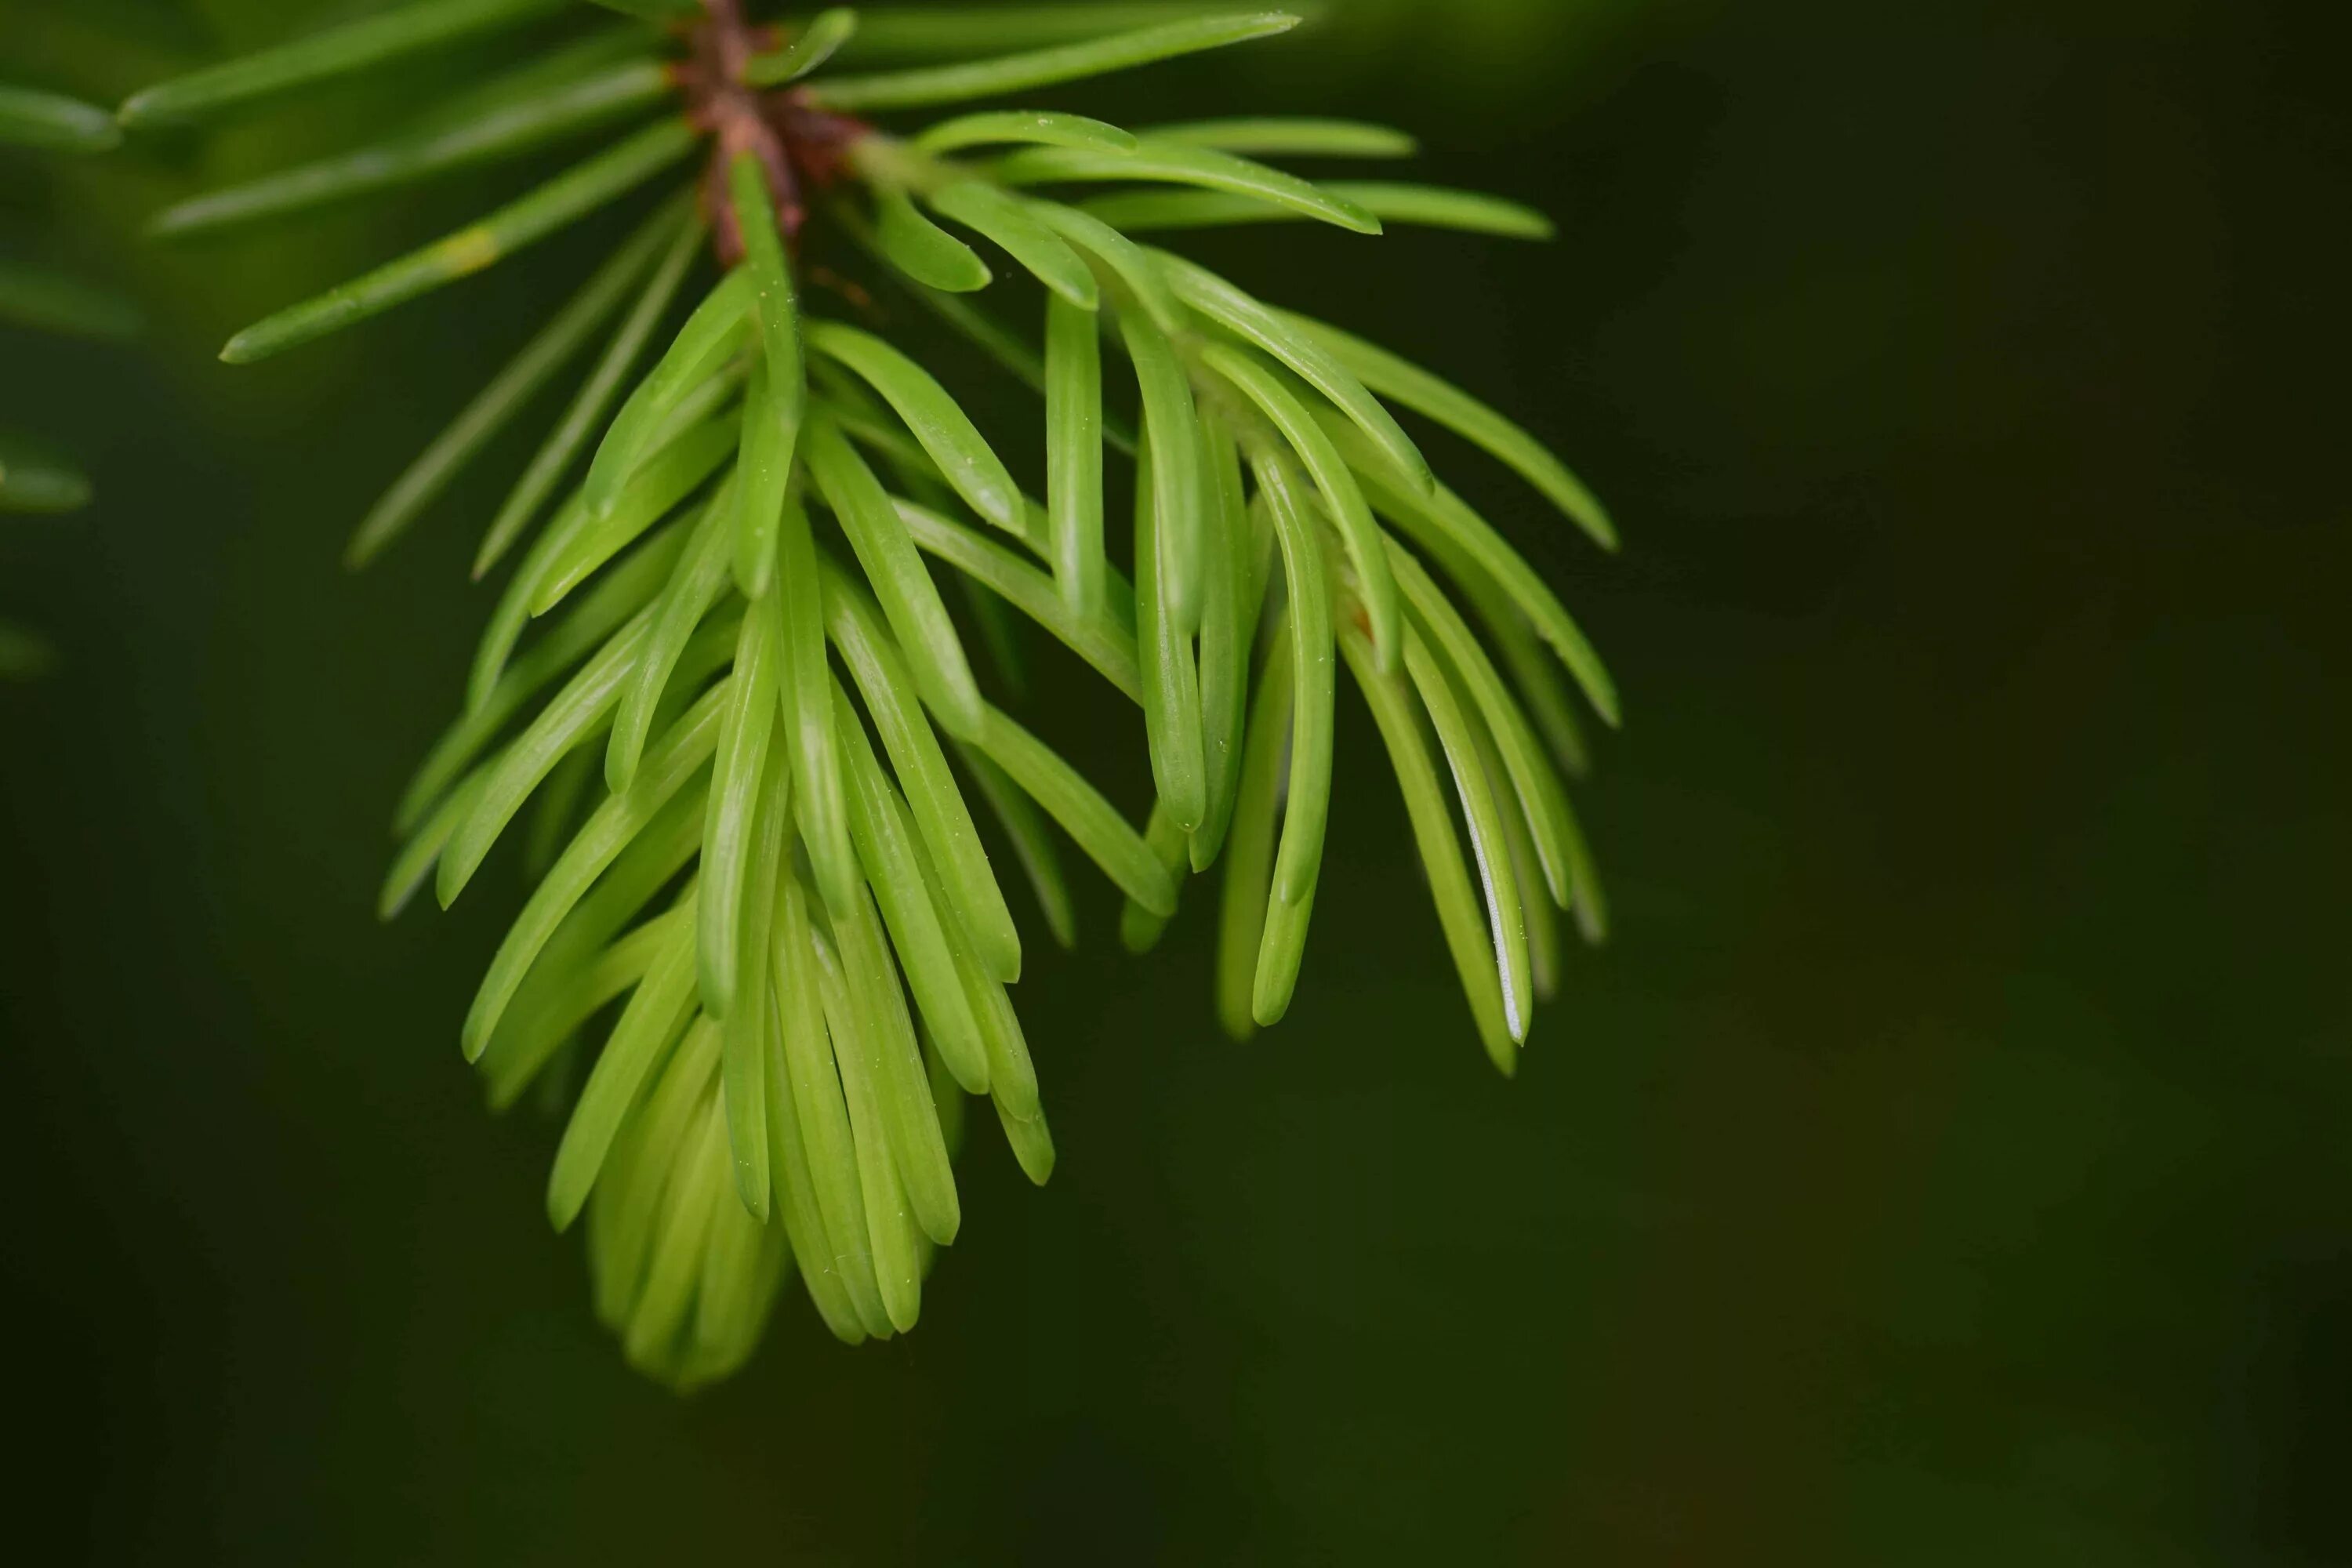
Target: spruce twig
x,y
784,884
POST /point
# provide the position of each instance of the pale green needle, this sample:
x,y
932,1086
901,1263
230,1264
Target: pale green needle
x,y
1074,448
1106,641
795,1192
1397,717
826,32
1011,1075
739,779
917,1147
677,758
1293,136
1229,618
707,341
571,717
1032,1143
529,1036
773,415
353,47
676,223
1389,201
1121,257
1399,379
556,812
1305,355
996,216
886,840
1542,798
890,1230
805,692
751,1016
1032,844
497,404
1312,686
895,571
554,998
415,860
827,1143
653,1019
946,432
921,248
699,1181
1175,163
940,817
1140,930
620,594
694,586
1489,845
1173,427
563,200
1043,127
625,1211
666,479
1044,68
505,130
1250,844
1172,695
1440,515
1090,820
1343,498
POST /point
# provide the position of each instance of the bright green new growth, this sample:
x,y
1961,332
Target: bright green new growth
x,y
731,543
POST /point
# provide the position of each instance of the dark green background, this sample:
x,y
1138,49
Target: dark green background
x,y
1945,1164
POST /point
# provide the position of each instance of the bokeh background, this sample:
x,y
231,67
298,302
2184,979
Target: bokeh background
x,y
1947,1163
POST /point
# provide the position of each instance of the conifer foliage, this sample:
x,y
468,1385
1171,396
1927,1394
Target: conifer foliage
x,y
765,940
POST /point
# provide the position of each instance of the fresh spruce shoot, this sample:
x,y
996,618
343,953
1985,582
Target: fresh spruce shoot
x,y
722,665
32,478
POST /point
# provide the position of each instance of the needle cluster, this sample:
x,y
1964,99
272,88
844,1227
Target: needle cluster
x,y
768,955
